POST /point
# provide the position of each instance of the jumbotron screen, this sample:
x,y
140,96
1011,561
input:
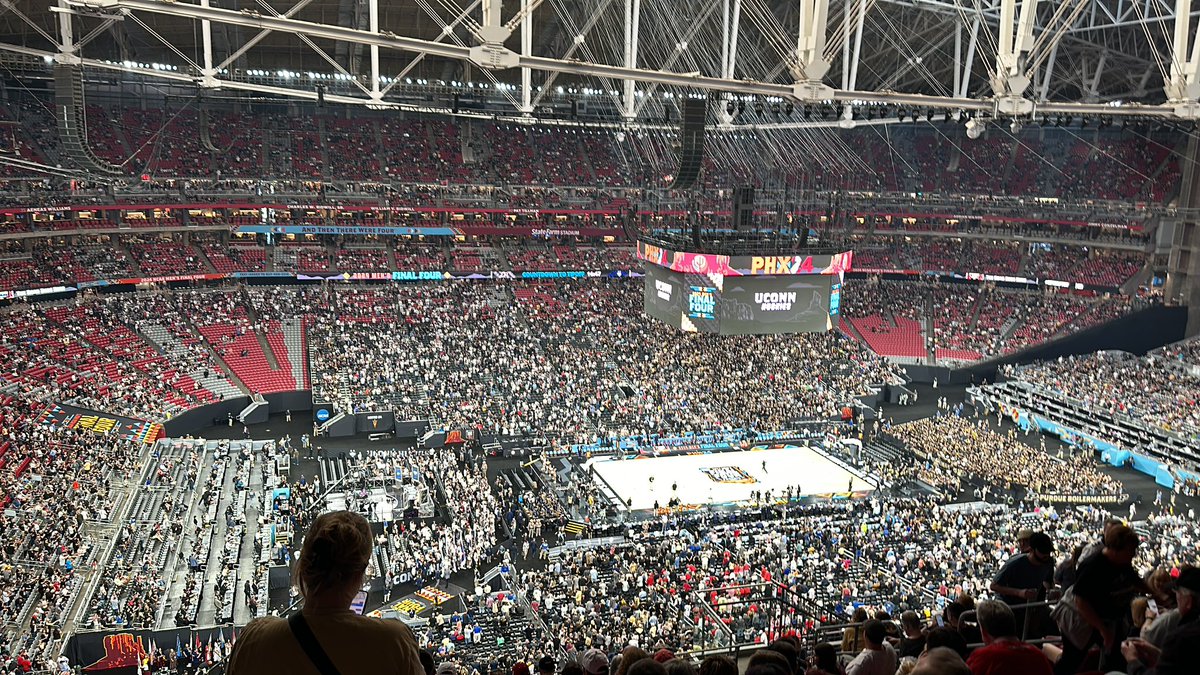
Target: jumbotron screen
x,y
713,303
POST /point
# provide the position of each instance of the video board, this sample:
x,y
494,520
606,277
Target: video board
x,y
713,303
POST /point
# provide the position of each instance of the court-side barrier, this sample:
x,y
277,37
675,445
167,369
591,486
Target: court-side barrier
x,y
692,442
579,544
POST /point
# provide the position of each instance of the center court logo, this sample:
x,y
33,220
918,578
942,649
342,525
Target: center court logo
x,y
728,474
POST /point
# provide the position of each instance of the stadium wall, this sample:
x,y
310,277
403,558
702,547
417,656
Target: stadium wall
x,y
1137,333
213,414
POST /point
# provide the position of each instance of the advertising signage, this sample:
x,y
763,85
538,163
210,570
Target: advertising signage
x,y
747,265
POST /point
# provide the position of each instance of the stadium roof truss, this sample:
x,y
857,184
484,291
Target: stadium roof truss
x,y
996,58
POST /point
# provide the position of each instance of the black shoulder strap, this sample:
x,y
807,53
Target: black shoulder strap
x,y
310,645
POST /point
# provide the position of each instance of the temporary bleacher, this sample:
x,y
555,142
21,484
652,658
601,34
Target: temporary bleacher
x,y
1123,430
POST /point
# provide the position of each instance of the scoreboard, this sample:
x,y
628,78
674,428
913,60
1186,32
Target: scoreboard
x,y
709,303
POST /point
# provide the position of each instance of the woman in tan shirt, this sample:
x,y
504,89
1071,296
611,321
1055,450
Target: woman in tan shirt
x,y
329,574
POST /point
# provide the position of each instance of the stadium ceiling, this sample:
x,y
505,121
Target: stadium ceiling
x,y
999,58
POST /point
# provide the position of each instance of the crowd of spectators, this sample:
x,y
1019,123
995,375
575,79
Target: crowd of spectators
x,y
1151,388
56,485
964,449
711,581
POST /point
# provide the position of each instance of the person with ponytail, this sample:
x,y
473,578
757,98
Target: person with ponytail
x,y
326,637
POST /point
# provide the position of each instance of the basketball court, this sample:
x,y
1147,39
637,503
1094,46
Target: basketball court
x,y
723,478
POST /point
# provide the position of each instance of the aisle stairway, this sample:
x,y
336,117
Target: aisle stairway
x,y
293,341
179,352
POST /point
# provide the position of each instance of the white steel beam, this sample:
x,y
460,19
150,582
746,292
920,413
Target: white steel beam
x,y
259,37
972,44
1009,79
208,76
1094,86
858,35
387,40
633,20
730,69
66,36
527,50
730,16
493,31
957,57
1048,74
1181,85
373,26
810,47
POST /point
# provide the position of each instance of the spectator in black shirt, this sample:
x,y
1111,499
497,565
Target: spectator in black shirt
x,y
1105,587
1025,579
913,641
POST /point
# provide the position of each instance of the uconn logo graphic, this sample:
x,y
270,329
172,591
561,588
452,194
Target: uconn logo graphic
x,y
775,302
664,290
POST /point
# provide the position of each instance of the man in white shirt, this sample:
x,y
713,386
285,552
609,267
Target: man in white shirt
x,y
878,657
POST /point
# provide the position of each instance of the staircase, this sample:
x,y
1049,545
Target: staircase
x,y
850,331
465,139
204,259
133,261
324,146
1012,162
220,362
586,161
293,339
930,334
1179,150
979,302
266,151
1024,262
177,351
265,346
